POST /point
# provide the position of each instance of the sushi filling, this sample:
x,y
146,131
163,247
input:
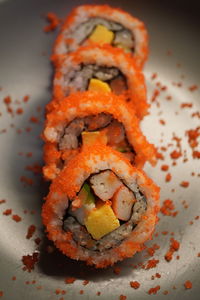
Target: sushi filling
x,y
104,212
102,127
80,78
101,30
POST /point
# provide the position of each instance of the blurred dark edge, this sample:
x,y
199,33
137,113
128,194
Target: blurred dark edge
x,y
189,7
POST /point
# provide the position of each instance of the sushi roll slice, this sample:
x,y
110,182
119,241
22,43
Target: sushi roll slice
x,y
102,24
86,118
100,68
100,209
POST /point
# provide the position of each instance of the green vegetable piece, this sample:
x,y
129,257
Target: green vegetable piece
x,y
121,149
90,198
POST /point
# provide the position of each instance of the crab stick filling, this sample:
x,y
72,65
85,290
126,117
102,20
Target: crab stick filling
x,y
96,78
95,128
102,31
104,212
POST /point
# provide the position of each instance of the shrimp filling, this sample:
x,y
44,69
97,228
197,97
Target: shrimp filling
x,y
104,212
101,127
101,31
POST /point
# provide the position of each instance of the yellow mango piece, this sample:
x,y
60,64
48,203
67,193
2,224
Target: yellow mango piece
x,y
98,86
89,138
101,35
101,221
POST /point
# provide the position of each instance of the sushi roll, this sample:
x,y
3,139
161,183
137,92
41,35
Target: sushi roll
x,y
102,24
100,209
88,117
100,68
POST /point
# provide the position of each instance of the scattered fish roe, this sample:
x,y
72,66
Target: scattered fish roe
x,y
122,297
174,246
152,263
53,20
135,284
16,218
184,184
154,290
31,231
29,261
188,285
70,280
7,212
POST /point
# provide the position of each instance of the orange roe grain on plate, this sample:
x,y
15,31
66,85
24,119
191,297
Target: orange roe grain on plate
x,y
186,105
193,88
53,20
167,207
34,119
162,122
152,263
184,184
154,290
168,177
31,231
26,98
16,218
122,297
7,212
19,111
188,285
174,246
2,201
175,154
165,292
70,280
1,293
164,168
29,261
135,284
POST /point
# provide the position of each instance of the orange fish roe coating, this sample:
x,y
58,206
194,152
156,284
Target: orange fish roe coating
x,y
91,103
106,56
82,13
135,284
188,285
62,190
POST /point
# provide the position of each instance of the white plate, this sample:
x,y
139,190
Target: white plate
x,y
24,69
